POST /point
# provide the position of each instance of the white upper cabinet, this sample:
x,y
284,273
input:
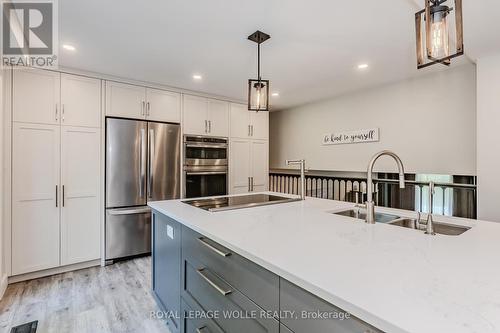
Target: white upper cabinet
x,y
138,102
36,197
218,118
248,124
259,122
240,121
46,97
195,111
163,105
205,116
80,101
80,199
35,96
125,100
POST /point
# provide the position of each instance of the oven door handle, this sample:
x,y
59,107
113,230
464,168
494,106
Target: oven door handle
x,y
202,173
205,145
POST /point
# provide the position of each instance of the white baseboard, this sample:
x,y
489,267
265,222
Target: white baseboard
x,y
3,285
53,271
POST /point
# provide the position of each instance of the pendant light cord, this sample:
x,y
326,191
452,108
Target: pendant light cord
x,y
258,62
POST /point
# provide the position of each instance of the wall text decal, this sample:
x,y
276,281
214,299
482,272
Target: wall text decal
x,y
359,136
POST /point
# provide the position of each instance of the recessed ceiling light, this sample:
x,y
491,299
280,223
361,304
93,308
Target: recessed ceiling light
x,y
362,66
69,47
275,94
197,77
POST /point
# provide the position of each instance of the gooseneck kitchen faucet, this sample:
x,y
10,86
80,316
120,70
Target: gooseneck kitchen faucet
x,y
370,204
302,164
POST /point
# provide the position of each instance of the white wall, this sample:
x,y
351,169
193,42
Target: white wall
x,y
429,121
488,140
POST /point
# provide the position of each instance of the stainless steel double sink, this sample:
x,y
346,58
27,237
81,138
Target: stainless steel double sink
x,y
405,222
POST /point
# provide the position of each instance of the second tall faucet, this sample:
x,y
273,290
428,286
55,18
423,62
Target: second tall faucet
x,y
302,164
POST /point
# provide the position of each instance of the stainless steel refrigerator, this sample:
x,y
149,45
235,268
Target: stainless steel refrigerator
x,y
142,164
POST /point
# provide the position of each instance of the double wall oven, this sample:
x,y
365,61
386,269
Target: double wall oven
x,y
205,166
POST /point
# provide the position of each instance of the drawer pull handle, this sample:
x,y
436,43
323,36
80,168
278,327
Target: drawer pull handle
x,y
202,273
213,248
202,329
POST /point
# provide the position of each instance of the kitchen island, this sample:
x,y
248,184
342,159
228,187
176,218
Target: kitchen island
x,y
298,255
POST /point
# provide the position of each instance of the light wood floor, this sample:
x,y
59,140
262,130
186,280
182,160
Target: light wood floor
x,y
115,298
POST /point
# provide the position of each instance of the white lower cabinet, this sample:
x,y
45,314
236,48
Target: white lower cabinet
x,y
80,220
35,204
239,166
55,196
248,165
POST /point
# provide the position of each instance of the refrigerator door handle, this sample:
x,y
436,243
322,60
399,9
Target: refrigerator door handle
x,y
151,157
142,167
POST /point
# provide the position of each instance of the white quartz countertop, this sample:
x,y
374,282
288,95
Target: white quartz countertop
x,y
396,279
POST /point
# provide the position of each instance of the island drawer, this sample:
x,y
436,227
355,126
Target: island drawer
x,y
194,321
234,311
254,281
296,299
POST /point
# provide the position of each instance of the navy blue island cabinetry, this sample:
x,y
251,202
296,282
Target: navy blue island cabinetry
x,y
205,287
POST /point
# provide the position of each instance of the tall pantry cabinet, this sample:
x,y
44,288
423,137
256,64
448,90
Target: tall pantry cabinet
x,y
249,150
56,138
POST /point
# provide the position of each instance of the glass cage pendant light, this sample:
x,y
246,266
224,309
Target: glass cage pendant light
x,y
258,89
437,33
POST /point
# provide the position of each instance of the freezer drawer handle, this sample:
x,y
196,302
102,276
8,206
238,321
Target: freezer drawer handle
x,y
129,211
213,248
205,277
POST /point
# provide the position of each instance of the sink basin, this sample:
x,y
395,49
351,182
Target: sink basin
x,y
439,228
361,214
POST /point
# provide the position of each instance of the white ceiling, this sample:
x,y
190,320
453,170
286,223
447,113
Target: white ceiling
x,y
313,54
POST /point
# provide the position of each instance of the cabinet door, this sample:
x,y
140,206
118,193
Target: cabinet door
x,y
35,193
260,165
240,121
195,115
35,96
218,117
239,165
294,299
80,101
80,200
125,100
167,266
163,105
260,125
